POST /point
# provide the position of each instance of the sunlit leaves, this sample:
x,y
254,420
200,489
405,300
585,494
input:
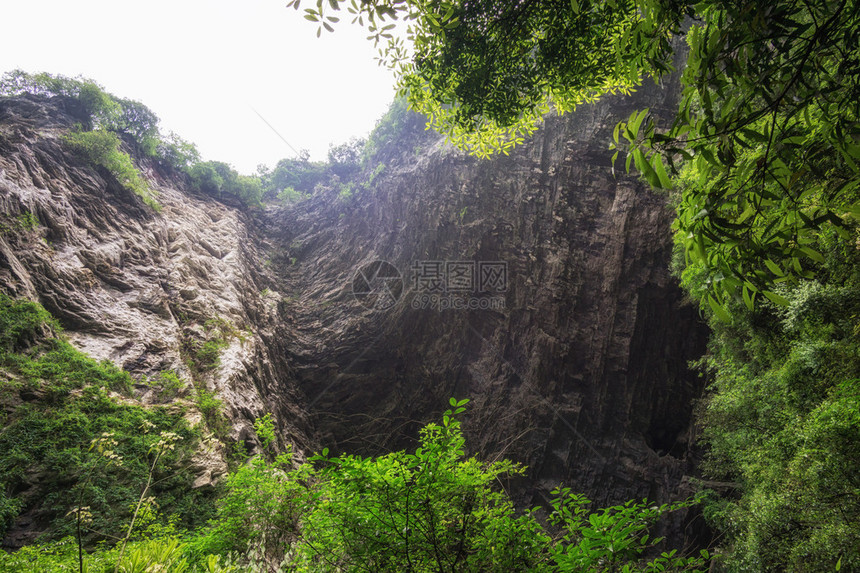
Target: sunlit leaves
x,y
766,139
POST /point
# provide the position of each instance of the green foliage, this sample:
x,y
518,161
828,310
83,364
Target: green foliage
x,y
102,149
103,116
176,153
263,505
344,160
429,510
289,195
345,191
67,408
205,355
613,538
27,221
433,509
145,556
40,360
781,421
485,72
395,133
139,122
295,179
205,178
169,383
218,179
94,107
767,126
209,355
210,407
90,103
163,555
21,321
265,428
768,133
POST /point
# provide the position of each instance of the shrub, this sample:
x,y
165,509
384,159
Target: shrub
x,y
209,354
299,175
101,148
345,159
219,180
209,406
434,509
289,195
176,153
781,422
396,132
170,384
51,436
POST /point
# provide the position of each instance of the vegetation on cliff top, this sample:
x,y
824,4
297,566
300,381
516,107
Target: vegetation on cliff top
x,y
112,130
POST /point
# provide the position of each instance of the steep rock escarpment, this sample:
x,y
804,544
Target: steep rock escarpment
x,y
581,373
575,361
141,288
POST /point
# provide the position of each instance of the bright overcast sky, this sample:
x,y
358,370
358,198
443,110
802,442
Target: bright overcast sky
x,y
204,66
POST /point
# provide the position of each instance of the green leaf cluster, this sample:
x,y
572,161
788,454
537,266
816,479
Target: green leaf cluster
x,y
766,142
102,149
57,401
781,422
485,72
220,180
294,180
395,134
431,509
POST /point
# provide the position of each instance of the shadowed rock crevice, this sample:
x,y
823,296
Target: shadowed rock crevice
x,y
576,368
581,374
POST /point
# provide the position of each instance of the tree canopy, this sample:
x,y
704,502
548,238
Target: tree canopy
x,y
766,141
762,160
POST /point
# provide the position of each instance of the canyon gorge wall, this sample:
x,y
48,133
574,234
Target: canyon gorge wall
x,y
575,361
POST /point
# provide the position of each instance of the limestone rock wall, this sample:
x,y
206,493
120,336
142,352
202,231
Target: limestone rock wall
x,y
141,288
582,375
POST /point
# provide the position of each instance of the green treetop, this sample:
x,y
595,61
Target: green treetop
x,y
766,138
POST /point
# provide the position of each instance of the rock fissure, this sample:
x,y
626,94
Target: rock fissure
x,y
576,368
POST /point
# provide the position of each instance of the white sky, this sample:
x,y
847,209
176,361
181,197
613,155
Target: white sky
x,y
203,66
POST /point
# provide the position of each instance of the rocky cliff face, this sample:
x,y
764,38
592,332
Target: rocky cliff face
x,y
575,358
141,288
580,372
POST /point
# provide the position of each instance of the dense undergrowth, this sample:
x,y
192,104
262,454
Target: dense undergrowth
x,y
85,463
57,403
782,419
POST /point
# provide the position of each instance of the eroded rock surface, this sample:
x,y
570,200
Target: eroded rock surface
x,y
580,372
582,375
142,288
